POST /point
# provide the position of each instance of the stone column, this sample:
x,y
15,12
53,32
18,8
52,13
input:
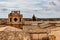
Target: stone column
x,y
52,37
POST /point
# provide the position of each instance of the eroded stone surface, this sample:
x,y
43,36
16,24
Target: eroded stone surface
x,y
10,35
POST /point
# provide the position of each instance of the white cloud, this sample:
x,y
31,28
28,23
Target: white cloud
x,y
29,7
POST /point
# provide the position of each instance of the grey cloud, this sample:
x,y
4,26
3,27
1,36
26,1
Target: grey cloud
x,y
52,3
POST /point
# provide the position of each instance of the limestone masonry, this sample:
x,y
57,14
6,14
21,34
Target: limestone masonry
x,y
15,27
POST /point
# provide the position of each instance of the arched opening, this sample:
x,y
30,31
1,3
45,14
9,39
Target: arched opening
x,y
15,19
45,38
20,19
10,19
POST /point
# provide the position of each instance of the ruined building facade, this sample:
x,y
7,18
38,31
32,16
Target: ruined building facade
x,y
15,19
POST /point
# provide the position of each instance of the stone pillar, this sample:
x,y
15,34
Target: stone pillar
x,y
52,37
26,37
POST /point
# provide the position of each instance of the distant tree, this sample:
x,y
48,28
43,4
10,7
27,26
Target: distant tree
x,y
33,18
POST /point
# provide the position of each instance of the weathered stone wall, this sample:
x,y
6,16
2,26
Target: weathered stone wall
x,y
11,35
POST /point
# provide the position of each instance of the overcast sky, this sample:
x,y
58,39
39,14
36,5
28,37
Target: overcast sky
x,y
41,8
